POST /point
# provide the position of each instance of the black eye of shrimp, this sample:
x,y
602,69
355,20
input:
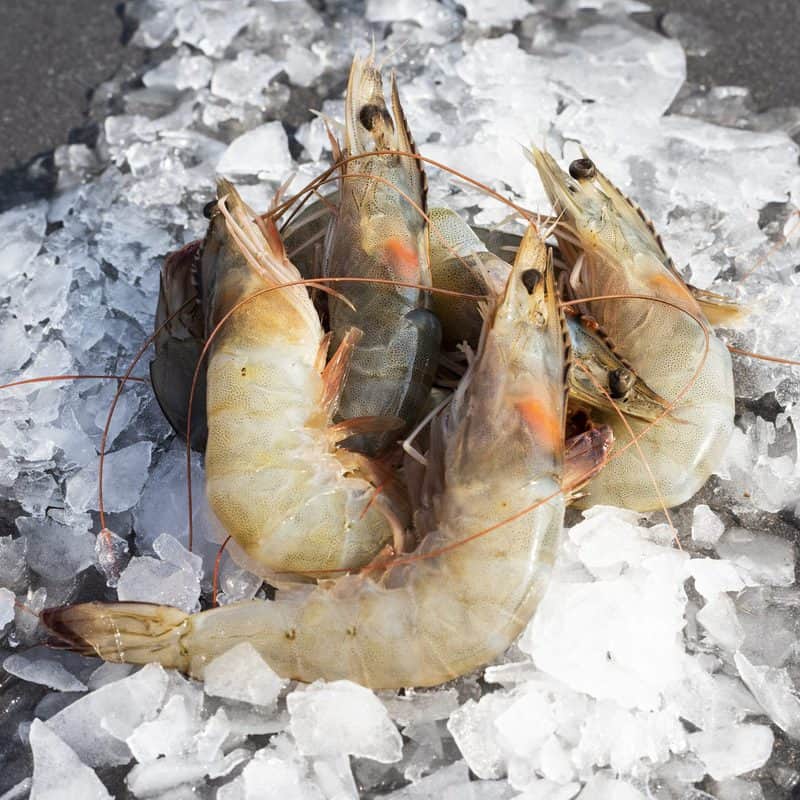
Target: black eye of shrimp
x,y
530,279
208,208
370,113
582,169
620,382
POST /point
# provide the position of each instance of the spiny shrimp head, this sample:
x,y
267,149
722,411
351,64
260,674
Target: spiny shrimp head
x,y
369,123
530,292
585,209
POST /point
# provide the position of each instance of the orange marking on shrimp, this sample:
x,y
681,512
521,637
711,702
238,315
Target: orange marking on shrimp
x,y
541,419
403,257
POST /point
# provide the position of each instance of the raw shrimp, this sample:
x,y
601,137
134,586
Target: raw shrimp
x,y
274,476
378,233
612,250
497,454
461,262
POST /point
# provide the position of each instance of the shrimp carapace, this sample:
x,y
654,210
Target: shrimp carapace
x,y
495,468
275,477
611,250
380,231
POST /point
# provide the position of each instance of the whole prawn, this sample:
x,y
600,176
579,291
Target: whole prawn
x,y
495,466
612,250
275,478
379,232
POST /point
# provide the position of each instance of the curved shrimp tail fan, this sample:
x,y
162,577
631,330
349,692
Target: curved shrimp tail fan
x,y
133,633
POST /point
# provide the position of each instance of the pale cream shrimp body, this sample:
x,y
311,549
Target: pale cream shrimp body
x,y
285,493
496,452
613,251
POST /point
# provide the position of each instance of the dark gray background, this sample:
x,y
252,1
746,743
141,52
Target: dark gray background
x,y
53,53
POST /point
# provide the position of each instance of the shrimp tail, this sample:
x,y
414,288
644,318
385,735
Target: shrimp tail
x,y
133,633
719,310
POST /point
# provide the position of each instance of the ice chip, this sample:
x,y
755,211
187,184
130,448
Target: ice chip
x,y
342,718
242,674
473,727
56,552
732,750
263,151
721,622
124,476
44,670
96,725
7,601
707,527
604,787
775,692
58,772
763,558
712,576
111,552
22,233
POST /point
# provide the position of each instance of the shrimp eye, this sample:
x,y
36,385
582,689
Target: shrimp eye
x,y
208,208
530,280
620,382
582,169
370,113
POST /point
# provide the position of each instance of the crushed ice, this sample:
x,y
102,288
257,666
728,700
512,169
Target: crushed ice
x,y
648,671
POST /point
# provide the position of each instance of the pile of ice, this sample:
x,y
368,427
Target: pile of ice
x,y
649,671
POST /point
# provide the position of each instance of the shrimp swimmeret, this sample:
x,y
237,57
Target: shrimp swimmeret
x,y
275,478
495,465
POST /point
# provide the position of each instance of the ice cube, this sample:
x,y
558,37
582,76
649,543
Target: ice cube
x,y
732,750
242,674
97,725
774,690
713,576
721,622
124,476
173,579
22,233
7,603
158,778
707,527
44,670
169,734
58,771
56,552
263,151
342,718
472,726
764,559
615,639
738,789
13,564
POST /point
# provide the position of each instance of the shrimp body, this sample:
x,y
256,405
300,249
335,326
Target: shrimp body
x,y
380,232
669,344
495,466
274,476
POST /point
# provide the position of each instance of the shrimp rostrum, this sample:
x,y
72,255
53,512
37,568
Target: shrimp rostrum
x,y
494,517
664,338
275,477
